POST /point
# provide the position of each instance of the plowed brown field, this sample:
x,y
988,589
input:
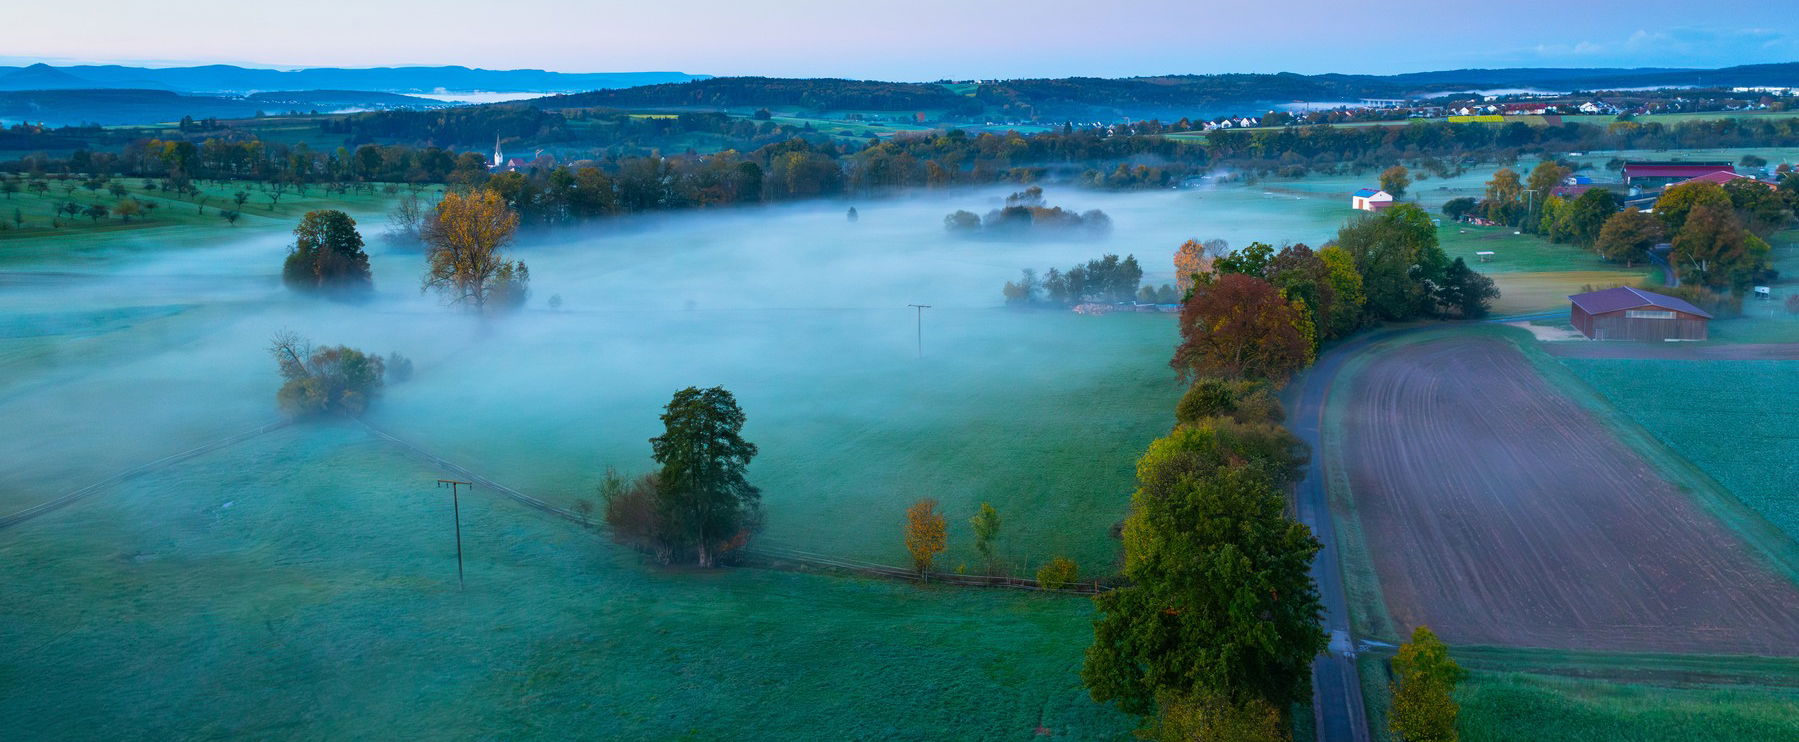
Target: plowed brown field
x,y
1499,512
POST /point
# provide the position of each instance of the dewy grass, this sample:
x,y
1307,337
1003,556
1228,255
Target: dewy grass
x,y
1731,418
303,585
1523,708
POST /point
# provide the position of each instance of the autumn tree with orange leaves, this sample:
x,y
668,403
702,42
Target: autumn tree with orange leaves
x,y
1240,327
464,236
1195,257
926,535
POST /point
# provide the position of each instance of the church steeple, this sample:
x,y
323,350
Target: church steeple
x,y
498,158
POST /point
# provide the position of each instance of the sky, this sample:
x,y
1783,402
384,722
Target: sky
x,y
913,40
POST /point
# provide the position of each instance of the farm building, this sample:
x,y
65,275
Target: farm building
x,y
1625,313
1721,177
1652,175
1370,199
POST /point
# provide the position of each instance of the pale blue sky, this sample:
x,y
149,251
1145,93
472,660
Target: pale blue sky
x,y
911,39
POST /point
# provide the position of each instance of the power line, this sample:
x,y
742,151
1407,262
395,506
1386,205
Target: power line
x,y
920,308
456,507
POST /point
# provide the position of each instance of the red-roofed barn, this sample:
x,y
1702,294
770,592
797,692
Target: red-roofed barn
x,y
1651,175
1625,313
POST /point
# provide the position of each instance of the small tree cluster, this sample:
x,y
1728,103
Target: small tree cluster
x,y
1107,280
1026,214
329,380
327,256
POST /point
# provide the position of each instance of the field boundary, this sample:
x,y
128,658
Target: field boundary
x,y
1367,603
1775,548
766,556
34,511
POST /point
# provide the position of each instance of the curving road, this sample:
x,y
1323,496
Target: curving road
x,y
1336,686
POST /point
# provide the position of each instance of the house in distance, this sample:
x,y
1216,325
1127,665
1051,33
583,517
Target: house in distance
x,y
1370,199
1625,313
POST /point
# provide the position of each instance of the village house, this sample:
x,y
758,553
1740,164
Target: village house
x,y
1370,199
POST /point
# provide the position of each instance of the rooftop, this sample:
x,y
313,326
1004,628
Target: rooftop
x,y
1625,297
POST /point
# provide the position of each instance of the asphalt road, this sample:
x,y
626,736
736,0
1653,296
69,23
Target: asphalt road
x,y
1336,687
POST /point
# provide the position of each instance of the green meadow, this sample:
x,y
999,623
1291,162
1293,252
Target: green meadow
x,y
245,593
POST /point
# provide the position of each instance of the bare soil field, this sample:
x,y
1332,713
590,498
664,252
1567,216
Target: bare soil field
x,y
1501,513
1677,351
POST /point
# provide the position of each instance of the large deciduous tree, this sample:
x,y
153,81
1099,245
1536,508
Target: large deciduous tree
x,y
1677,201
1713,250
706,502
1240,326
1627,236
1395,180
1588,213
1397,255
1220,601
1464,292
464,236
327,256
1195,257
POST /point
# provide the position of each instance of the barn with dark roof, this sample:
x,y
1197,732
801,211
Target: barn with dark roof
x,y
1625,313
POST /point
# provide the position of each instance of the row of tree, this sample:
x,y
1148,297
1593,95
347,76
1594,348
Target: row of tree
x,y
1026,214
1214,635
1106,280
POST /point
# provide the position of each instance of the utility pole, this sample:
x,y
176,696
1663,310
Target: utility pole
x,y
920,308
456,507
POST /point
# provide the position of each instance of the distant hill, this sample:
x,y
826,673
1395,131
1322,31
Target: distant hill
x,y
231,79
127,106
728,92
40,77
1158,96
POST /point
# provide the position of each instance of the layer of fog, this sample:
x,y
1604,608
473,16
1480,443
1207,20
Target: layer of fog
x,y
115,359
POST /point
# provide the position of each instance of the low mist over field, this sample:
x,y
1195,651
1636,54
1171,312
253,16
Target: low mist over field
x,y
138,351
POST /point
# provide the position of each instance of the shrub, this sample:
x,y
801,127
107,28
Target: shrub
x,y
1243,401
635,517
1059,573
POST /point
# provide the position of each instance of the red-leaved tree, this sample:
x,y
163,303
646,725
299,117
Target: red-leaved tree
x,y
1240,326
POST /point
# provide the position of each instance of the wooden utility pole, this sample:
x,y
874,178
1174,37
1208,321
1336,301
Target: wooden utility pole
x,y
920,308
456,507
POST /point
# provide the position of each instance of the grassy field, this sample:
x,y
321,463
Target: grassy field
x,y
1731,418
1532,273
1519,707
175,220
1540,695
215,599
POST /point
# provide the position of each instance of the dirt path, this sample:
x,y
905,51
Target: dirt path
x,y
1499,512
1676,351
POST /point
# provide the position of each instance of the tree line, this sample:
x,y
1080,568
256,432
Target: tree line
x,y
1214,634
